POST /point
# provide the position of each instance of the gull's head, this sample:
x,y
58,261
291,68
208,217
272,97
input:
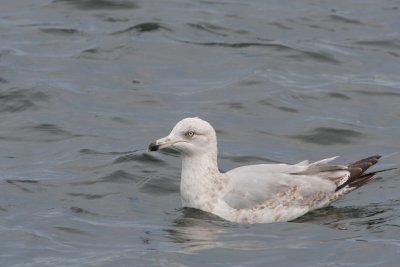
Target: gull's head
x,y
189,136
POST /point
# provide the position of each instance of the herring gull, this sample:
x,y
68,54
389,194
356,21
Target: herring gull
x,y
260,193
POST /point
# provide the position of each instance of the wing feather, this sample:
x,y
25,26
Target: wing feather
x,y
252,185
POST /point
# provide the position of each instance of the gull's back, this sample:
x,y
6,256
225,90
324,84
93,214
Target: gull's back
x,y
282,192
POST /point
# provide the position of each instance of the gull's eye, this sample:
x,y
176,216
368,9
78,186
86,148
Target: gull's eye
x,y
190,133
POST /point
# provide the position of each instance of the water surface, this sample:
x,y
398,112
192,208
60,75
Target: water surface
x,y
83,81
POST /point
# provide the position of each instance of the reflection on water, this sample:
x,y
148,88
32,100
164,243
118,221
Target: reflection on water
x,y
367,217
197,230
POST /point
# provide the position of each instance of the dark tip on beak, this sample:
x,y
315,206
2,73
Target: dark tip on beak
x,y
153,147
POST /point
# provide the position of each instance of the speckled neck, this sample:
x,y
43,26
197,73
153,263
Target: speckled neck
x,y
200,180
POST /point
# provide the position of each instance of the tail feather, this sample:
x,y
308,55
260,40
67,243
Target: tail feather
x,y
362,180
357,169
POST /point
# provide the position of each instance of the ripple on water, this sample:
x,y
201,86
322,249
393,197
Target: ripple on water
x,y
143,158
210,28
271,103
287,51
387,43
111,52
88,196
24,185
276,46
119,176
329,136
61,31
79,210
377,93
2,80
17,100
371,217
338,95
75,231
317,56
88,151
343,19
144,27
39,133
100,4
163,185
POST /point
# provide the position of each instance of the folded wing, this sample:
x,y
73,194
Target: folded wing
x,y
250,186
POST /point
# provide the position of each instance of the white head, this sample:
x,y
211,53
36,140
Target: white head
x,y
189,136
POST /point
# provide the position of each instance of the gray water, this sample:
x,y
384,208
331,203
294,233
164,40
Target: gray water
x,y
83,81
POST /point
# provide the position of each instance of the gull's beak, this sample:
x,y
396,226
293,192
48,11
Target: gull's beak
x,y
160,144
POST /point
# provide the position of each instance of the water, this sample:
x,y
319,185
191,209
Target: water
x,y
83,81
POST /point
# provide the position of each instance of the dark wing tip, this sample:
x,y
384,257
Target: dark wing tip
x,y
357,169
370,160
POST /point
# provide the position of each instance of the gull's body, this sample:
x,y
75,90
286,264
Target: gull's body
x,y
260,193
